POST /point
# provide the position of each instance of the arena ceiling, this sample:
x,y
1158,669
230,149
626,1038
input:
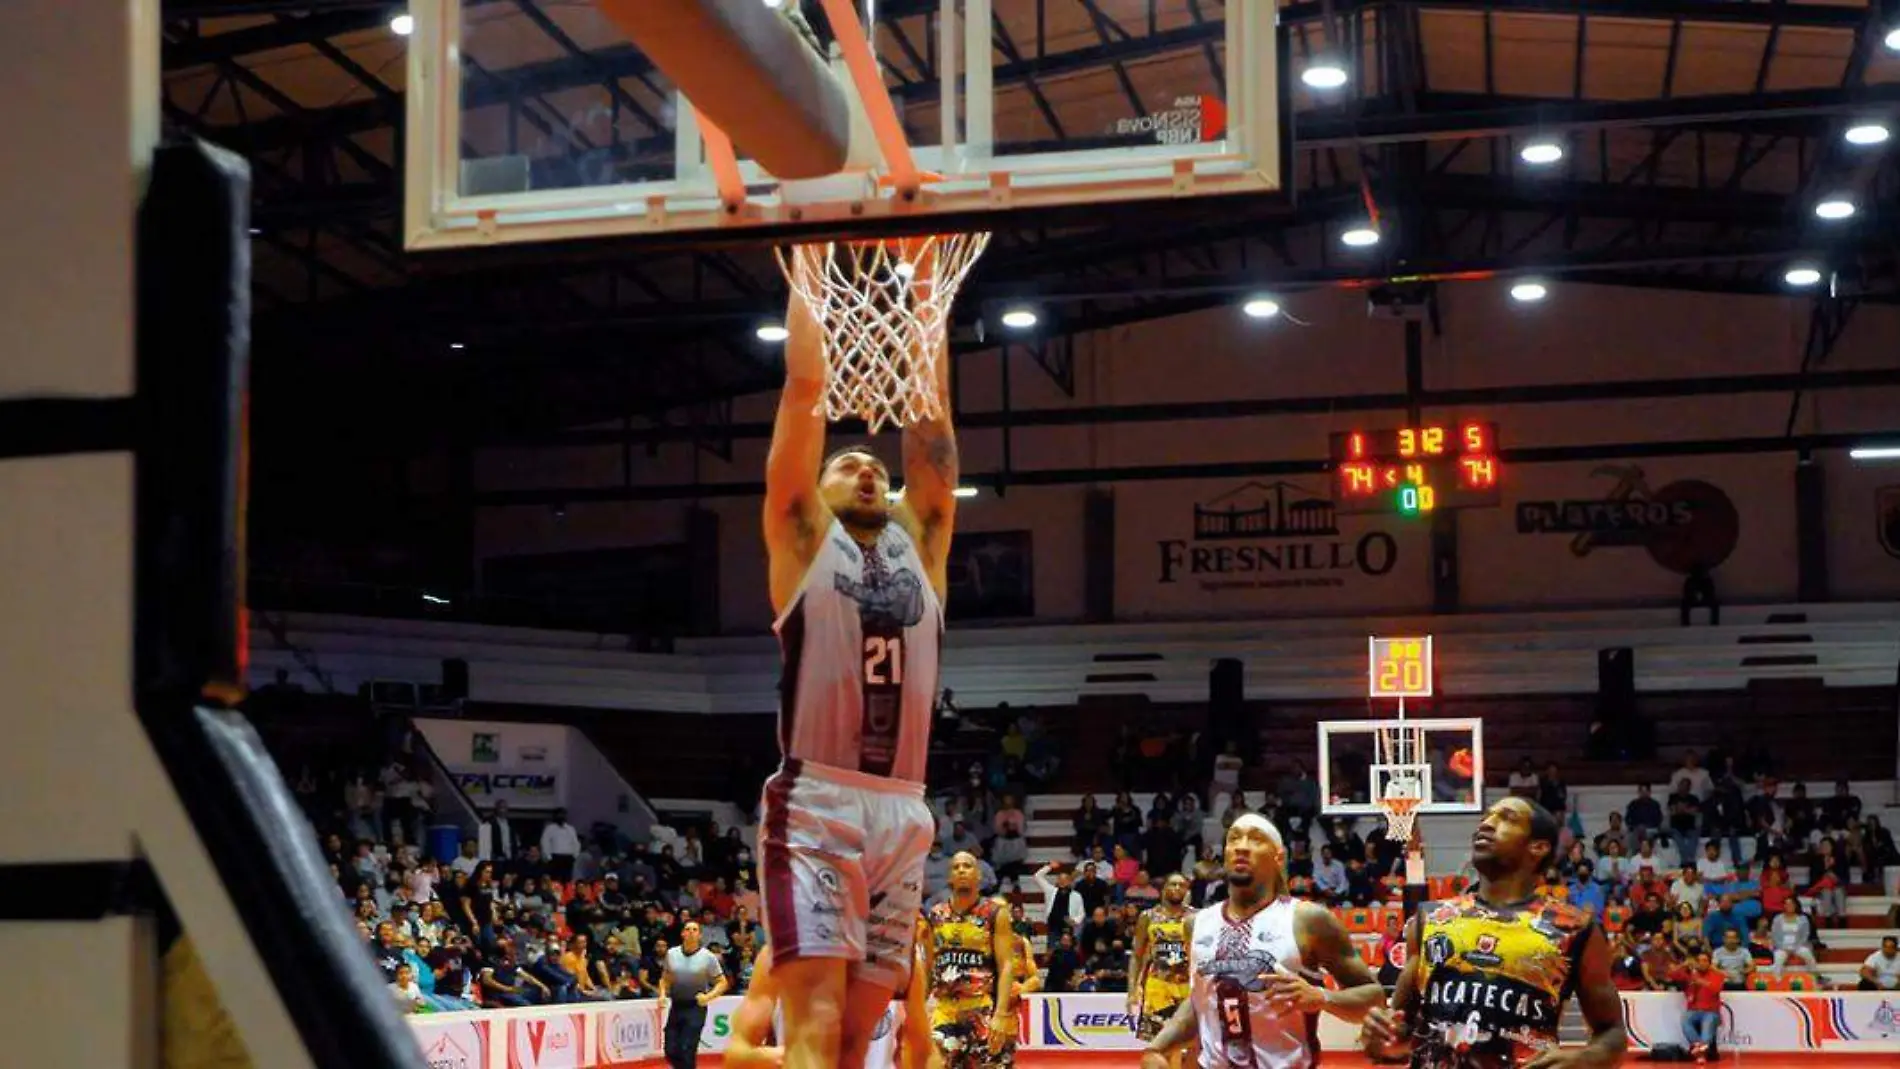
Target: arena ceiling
x,y
1700,135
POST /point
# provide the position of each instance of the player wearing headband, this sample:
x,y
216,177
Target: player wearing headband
x,y
1159,981
1250,1001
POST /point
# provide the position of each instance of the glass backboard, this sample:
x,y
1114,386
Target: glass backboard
x,y
1356,762
537,120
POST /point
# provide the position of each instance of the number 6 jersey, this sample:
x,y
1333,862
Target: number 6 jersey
x,y
861,641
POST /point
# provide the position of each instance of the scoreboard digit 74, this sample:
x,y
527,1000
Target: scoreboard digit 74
x,y
1417,469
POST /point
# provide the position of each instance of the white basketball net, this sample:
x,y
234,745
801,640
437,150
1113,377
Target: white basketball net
x,y
1400,803
884,309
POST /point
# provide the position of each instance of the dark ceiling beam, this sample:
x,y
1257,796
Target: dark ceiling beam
x,y
1732,12
270,36
1194,411
1436,121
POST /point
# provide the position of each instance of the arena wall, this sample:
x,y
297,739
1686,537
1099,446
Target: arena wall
x,y
1032,549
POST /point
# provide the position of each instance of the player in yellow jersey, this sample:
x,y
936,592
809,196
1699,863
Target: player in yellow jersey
x,y
1158,980
971,955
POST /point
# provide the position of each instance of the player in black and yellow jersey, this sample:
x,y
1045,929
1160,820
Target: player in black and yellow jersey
x,y
1488,972
971,952
1158,978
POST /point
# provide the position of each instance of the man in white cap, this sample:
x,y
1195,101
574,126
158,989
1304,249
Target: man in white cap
x,y
1251,1004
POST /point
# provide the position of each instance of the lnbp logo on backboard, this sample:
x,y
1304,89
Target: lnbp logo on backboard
x,y
1195,117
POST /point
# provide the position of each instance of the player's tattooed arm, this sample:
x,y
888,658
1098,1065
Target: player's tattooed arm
x,y
794,515
1323,942
1602,1010
932,466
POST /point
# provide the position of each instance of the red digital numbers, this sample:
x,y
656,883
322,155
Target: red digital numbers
x,y
1477,438
1477,473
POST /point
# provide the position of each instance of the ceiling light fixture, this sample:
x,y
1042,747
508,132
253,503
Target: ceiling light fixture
x,y
1541,152
1837,207
771,333
1361,236
1802,275
402,25
1324,73
1867,133
1528,292
1020,319
1875,452
1261,308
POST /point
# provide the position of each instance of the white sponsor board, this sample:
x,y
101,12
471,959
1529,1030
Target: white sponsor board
x,y
623,1034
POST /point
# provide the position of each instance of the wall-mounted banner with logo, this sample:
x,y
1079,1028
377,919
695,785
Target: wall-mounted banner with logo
x,y
1684,525
522,764
1267,547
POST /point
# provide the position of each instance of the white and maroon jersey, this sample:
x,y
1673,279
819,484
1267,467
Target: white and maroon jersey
x,y
1226,964
861,641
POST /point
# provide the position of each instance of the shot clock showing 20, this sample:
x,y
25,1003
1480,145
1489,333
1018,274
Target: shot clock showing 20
x,y
1417,469
1399,667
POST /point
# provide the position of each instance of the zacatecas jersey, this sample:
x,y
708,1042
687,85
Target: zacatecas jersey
x,y
1493,980
963,959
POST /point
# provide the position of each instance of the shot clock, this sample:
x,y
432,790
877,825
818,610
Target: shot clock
x,y
1411,470
1399,667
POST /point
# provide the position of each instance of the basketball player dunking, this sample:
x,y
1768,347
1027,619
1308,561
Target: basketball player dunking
x,y
1251,1002
1487,973
902,1036
858,586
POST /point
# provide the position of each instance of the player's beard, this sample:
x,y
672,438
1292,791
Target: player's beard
x,y
867,518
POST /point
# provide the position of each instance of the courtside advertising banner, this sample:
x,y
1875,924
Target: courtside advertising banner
x,y
627,1032
622,1034
453,1041
552,1041
1844,1022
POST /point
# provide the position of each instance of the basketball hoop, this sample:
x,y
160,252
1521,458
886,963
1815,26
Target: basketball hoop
x,y
1401,812
884,312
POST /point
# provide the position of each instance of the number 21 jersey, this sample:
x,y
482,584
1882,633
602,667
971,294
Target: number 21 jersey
x,y
861,640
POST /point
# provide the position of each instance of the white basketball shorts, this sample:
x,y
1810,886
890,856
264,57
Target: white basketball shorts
x,y
841,859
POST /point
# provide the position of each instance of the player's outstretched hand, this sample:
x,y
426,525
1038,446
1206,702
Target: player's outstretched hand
x,y
1384,1027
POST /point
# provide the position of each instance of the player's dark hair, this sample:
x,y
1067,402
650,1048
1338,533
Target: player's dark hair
x,y
1544,826
847,451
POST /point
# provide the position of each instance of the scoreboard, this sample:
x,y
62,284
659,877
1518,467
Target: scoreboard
x,y
1417,469
1399,667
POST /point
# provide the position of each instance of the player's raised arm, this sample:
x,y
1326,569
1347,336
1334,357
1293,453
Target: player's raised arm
x,y
794,516
931,466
